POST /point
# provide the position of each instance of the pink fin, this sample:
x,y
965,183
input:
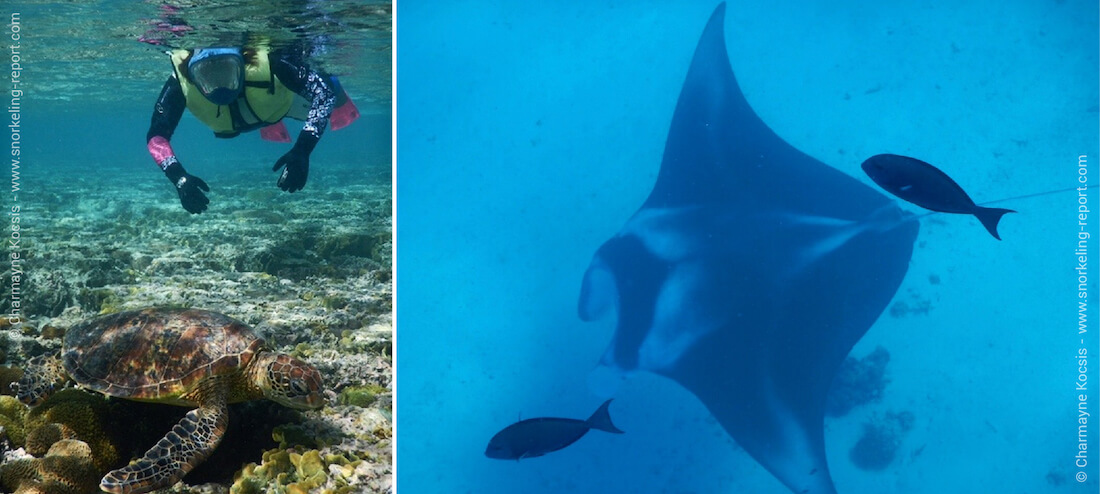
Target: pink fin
x,y
275,132
344,115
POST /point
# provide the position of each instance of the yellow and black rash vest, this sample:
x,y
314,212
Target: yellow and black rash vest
x,y
264,101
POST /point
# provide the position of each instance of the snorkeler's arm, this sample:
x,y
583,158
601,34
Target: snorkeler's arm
x,y
299,78
166,116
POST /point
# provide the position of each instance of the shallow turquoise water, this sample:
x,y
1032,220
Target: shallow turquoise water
x,y
527,135
89,83
90,49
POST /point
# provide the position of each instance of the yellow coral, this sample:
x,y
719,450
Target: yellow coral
x,y
11,407
12,415
12,430
360,396
247,481
290,472
275,461
311,470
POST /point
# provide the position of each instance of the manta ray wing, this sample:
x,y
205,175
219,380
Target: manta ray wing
x,y
749,273
718,149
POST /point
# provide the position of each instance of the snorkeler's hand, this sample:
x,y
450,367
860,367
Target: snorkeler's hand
x,y
294,175
189,187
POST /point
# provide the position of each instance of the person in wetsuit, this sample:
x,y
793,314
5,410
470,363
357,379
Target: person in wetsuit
x,y
235,90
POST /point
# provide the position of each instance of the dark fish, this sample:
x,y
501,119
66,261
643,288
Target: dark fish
x,y
926,186
536,437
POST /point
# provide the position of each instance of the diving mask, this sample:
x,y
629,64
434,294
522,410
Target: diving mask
x,y
218,73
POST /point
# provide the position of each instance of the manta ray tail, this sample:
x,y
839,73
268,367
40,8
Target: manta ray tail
x,y
990,217
601,420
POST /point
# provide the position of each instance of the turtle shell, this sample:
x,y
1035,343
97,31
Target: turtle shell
x,y
157,354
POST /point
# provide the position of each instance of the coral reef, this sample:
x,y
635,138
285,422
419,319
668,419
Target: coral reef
x,y
41,439
914,304
120,429
146,252
12,417
311,272
346,450
360,396
66,468
313,471
878,445
73,413
858,382
17,470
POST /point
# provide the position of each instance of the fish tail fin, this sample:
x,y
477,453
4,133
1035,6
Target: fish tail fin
x,y
601,420
990,217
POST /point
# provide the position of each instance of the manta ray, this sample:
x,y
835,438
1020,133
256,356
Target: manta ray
x,y
749,272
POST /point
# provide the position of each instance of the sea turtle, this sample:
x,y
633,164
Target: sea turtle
x,y
185,357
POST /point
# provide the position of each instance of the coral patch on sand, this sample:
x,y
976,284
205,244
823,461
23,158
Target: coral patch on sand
x,y
881,438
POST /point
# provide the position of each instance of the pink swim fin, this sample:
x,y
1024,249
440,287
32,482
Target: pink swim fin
x,y
344,115
275,132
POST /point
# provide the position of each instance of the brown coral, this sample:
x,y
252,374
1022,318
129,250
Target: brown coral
x,y
40,440
15,473
66,469
69,462
85,415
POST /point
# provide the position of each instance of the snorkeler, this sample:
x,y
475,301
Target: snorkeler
x,y
234,90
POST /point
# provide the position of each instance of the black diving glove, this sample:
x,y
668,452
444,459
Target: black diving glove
x,y
188,186
296,162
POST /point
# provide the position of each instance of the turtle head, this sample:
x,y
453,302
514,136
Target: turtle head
x,y
290,381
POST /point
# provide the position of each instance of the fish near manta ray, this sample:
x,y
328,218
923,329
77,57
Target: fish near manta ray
x,y
928,187
535,437
749,272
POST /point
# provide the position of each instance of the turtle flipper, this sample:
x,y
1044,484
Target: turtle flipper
x,y
41,376
188,443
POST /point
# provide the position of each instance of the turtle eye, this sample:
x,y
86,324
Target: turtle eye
x,y
298,388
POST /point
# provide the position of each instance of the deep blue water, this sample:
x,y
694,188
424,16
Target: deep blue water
x,y
528,133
